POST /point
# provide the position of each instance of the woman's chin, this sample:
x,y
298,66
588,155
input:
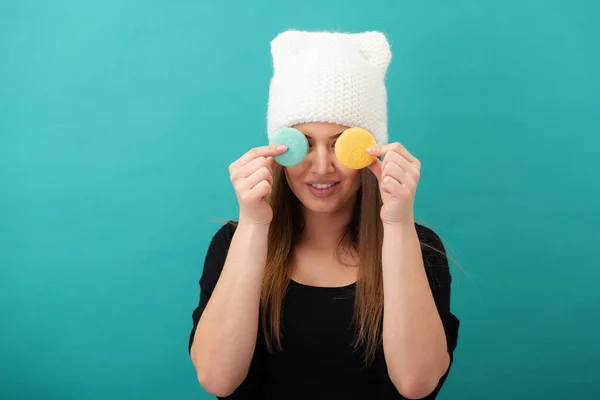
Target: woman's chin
x,y
329,205
321,208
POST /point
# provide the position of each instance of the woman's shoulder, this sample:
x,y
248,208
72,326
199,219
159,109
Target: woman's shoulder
x,y
428,236
220,242
432,247
225,232
216,253
222,236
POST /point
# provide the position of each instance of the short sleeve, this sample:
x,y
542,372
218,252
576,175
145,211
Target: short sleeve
x,y
213,265
438,274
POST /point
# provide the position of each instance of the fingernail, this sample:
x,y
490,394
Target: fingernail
x,y
281,147
370,149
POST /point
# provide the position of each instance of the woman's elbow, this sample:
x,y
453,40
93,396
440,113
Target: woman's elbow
x,y
215,385
416,389
213,380
416,386
421,385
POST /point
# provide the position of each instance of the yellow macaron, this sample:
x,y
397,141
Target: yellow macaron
x,y
350,148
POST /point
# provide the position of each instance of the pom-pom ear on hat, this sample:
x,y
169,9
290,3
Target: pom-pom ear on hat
x,y
329,77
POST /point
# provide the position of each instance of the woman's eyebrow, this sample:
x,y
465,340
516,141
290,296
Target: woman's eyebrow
x,y
337,135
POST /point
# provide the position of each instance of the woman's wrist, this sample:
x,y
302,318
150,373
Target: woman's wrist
x,y
252,227
400,227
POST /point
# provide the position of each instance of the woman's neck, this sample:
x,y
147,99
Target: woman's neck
x,y
323,230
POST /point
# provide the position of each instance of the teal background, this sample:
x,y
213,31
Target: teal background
x,y
118,120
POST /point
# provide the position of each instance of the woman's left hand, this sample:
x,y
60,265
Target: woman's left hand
x,y
398,175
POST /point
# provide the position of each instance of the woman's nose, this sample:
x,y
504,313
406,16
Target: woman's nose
x,y
323,159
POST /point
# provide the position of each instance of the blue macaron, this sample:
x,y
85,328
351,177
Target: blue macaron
x,y
296,143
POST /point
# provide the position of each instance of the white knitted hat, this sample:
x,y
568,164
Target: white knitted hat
x,y
329,77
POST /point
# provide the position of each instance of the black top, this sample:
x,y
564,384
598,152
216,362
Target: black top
x,y
317,360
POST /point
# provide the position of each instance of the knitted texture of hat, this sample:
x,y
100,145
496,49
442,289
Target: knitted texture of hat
x,y
329,77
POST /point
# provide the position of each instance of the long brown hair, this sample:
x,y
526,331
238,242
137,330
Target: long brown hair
x,y
366,233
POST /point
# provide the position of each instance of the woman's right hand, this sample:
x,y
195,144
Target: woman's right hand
x,y
252,179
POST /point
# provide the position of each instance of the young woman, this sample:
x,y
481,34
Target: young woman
x,y
325,287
